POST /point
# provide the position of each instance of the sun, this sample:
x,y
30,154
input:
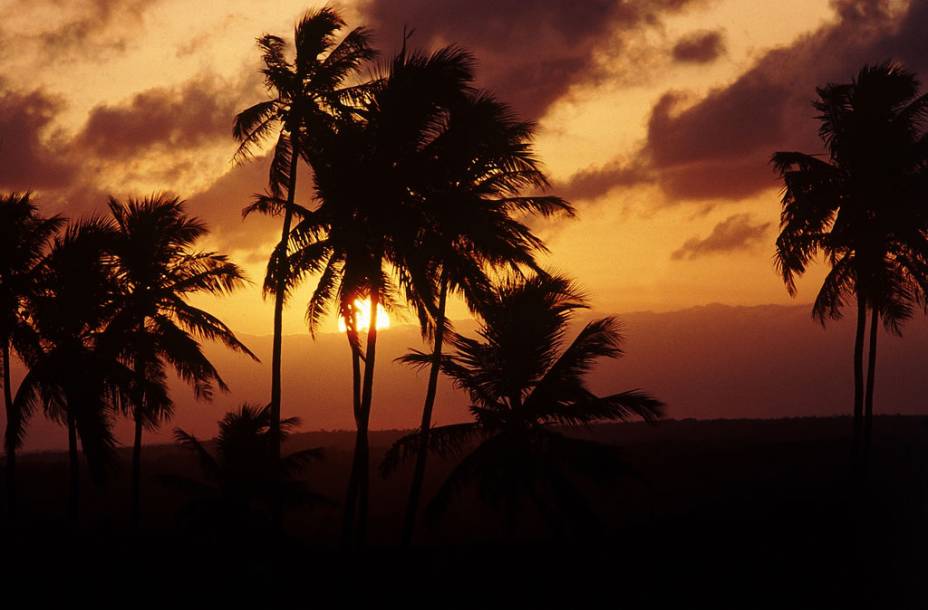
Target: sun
x,y
362,316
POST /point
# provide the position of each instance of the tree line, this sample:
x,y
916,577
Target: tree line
x,y
424,187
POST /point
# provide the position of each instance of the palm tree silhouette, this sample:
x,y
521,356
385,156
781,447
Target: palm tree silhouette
x,y
307,94
246,476
76,379
370,180
523,381
24,240
862,208
156,327
479,165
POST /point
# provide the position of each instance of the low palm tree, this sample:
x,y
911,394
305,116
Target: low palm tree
x,y
479,166
307,94
862,208
526,386
24,241
244,478
77,380
158,269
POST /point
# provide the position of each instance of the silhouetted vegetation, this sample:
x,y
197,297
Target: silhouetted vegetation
x,y
864,208
156,327
24,238
525,382
425,189
240,484
308,92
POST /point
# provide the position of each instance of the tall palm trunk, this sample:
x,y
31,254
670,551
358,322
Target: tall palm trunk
x,y
137,443
871,378
859,375
136,467
351,496
362,445
9,442
415,489
73,469
279,295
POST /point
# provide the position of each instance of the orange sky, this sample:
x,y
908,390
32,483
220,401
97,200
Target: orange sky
x,y
655,118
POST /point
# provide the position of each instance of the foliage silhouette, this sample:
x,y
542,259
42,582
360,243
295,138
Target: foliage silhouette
x,y
524,383
24,239
158,269
72,373
307,95
864,209
359,236
245,477
479,165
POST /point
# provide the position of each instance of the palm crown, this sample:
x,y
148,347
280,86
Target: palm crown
x,y
158,269
860,207
24,240
309,92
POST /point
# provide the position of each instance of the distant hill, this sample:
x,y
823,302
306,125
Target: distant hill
x,y
706,362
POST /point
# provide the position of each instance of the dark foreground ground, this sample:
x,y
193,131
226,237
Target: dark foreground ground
x,y
740,513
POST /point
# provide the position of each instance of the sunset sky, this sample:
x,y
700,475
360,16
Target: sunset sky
x,y
655,118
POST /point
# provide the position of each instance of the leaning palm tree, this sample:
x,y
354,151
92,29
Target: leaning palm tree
x,y
158,270
71,374
863,209
526,386
479,166
370,180
307,93
245,477
24,240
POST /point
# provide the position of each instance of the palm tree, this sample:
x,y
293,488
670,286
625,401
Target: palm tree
x,y
479,164
77,380
158,269
523,382
24,240
862,209
307,93
370,181
245,477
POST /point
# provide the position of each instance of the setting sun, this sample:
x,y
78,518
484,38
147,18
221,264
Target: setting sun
x,y
362,316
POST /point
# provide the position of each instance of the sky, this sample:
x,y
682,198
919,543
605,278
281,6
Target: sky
x,y
656,118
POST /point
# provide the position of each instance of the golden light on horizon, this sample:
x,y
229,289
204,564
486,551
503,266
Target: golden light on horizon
x,y
362,316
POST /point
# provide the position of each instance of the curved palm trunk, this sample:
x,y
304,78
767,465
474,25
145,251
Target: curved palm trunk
x,y
871,378
415,489
10,447
73,470
859,375
351,495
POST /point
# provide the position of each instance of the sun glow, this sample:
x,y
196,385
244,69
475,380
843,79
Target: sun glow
x,y
362,316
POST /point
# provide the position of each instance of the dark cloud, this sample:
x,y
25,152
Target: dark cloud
x,y
530,52
166,136
221,205
31,156
699,47
734,233
719,148
89,29
594,182
197,113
